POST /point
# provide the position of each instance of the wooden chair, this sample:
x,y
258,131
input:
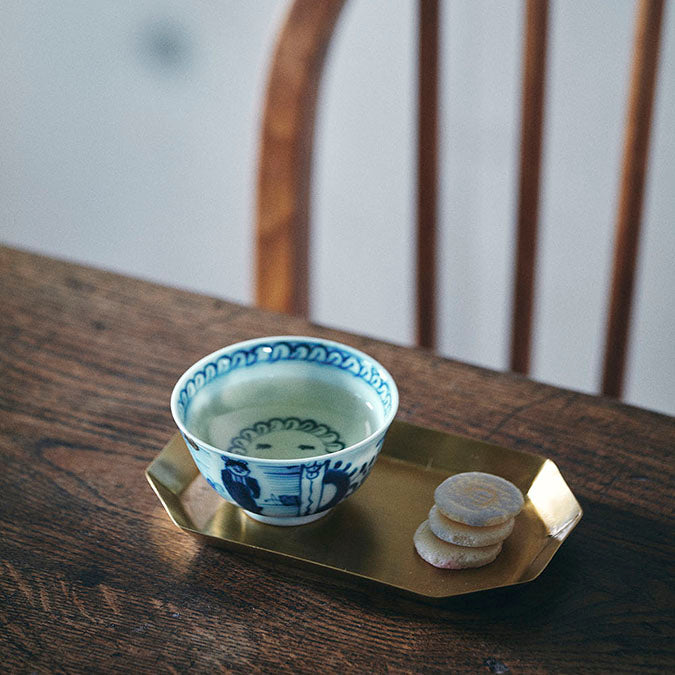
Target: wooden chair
x,y
285,167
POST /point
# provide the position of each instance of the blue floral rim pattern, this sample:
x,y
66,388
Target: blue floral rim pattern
x,y
313,352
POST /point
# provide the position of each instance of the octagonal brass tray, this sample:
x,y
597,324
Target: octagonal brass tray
x,y
370,534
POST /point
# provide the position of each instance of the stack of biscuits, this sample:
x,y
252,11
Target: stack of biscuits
x,y
473,514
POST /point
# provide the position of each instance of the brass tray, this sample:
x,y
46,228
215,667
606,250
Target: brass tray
x,y
369,535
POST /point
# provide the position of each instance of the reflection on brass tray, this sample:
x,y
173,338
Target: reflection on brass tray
x,y
370,535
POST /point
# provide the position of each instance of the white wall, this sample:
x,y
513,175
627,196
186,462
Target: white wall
x,y
128,134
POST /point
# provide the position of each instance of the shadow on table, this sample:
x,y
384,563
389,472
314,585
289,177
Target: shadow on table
x,y
613,567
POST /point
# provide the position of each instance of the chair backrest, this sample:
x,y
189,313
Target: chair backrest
x,y
284,179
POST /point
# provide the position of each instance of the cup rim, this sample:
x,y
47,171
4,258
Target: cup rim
x,y
205,360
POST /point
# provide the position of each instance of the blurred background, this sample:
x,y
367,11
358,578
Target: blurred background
x,y
129,132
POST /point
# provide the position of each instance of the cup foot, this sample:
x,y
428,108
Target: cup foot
x,y
286,522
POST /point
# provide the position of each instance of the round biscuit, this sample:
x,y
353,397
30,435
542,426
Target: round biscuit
x,y
449,556
466,535
478,499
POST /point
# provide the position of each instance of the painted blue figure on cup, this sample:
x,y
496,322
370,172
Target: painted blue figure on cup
x,y
240,485
321,487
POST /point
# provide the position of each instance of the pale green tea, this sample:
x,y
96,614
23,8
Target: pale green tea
x,y
280,417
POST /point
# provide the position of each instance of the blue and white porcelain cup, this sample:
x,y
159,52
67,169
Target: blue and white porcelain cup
x,y
285,427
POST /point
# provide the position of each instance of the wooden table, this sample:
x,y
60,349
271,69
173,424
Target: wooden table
x,y
96,578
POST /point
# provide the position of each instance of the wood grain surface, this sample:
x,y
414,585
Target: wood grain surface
x,y
95,578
